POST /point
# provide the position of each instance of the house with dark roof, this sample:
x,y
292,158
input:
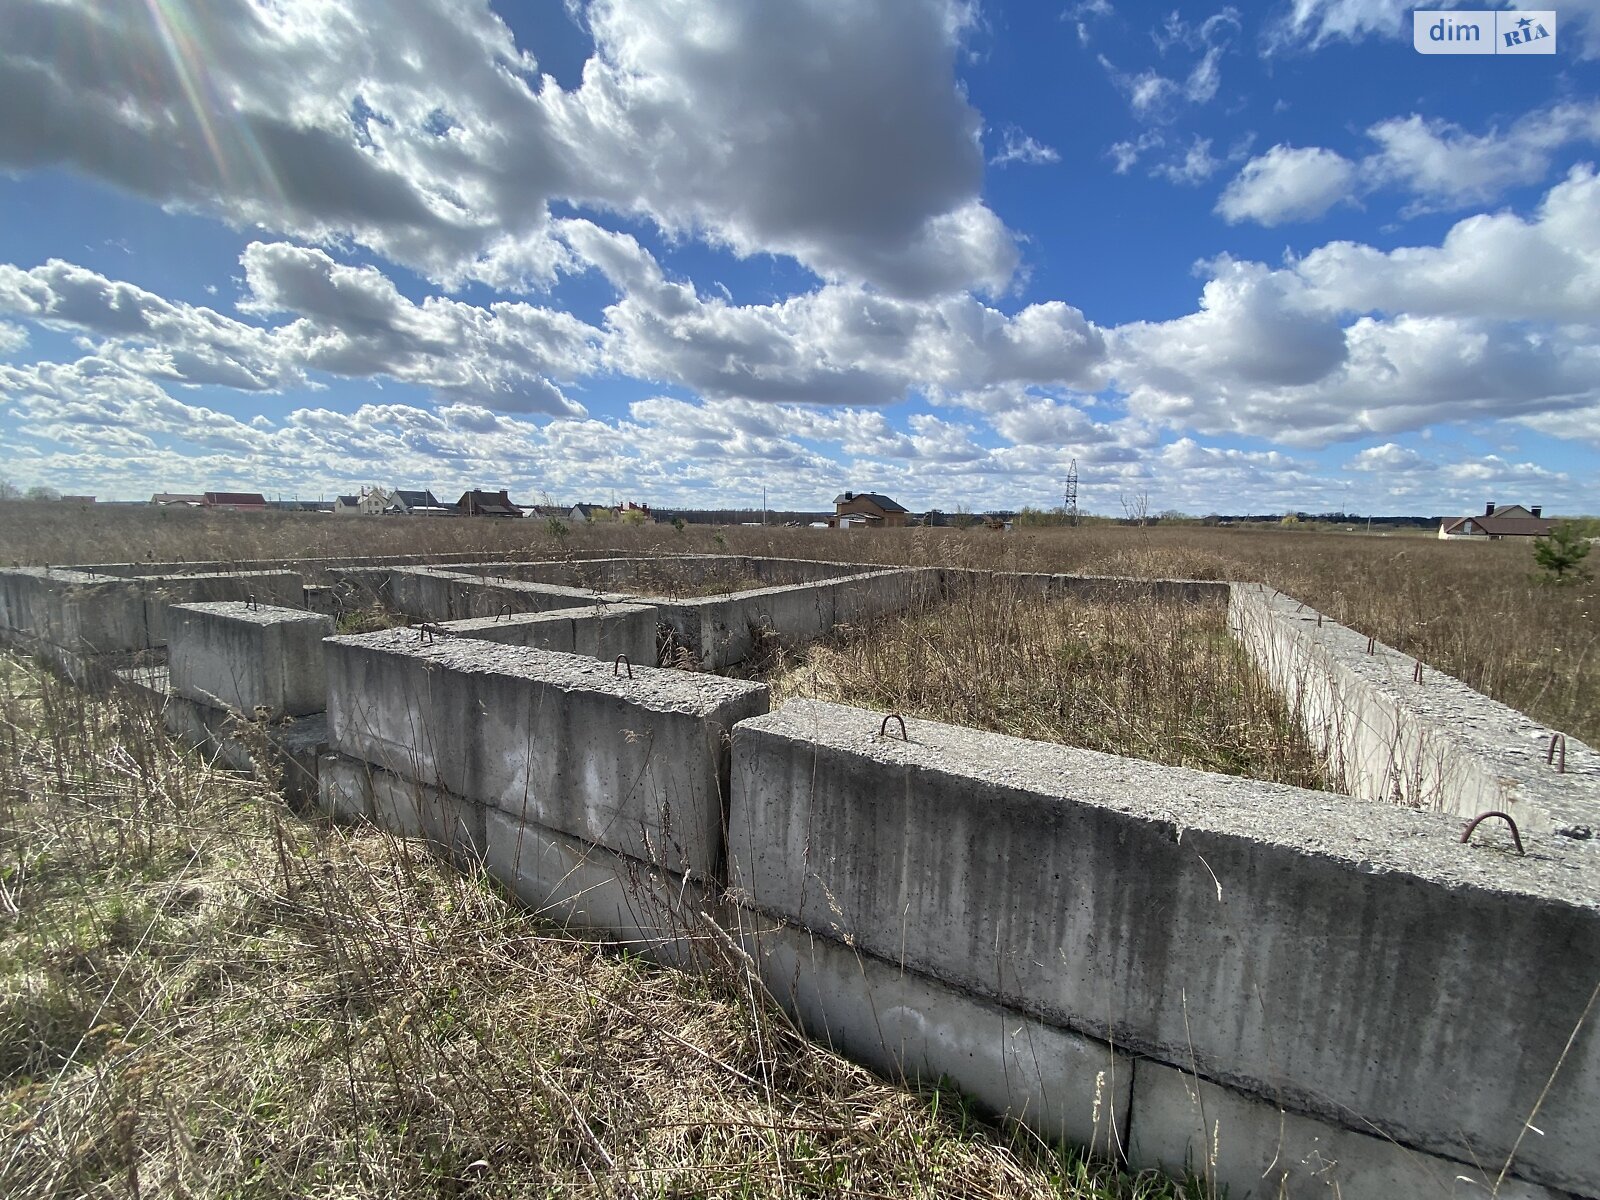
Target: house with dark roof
x,y
872,509
409,502
1496,522
235,501
479,503
370,503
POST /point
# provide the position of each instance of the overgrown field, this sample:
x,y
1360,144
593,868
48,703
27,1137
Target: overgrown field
x,y
1159,680
1473,610
202,994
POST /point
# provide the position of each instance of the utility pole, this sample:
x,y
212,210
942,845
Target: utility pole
x,y
1069,494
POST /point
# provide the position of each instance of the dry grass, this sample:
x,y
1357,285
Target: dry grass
x,y
203,995
1159,680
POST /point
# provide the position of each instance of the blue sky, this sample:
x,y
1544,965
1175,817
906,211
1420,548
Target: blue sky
x,y
1251,257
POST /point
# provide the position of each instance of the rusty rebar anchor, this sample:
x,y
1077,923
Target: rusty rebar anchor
x,y
1372,645
1516,838
250,601
1550,755
505,611
621,661
883,729
1416,672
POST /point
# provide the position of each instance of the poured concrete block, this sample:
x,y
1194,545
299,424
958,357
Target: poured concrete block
x,y
638,765
281,589
905,1025
80,612
344,788
588,887
252,658
319,598
407,808
1257,1151
431,594
1348,958
722,630
1430,742
600,631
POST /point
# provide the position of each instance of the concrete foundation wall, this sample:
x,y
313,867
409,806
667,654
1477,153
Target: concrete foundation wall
x,y
1300,949
1287,991
431,594
578,885
908,1026
281,589
644,576
636,765
719,631
251,657
82,612
600,631
1433,743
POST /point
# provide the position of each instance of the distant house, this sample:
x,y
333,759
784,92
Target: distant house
x,y
178,499
369,503
407,502
584,513
867,508
478,503
1496,522
235,501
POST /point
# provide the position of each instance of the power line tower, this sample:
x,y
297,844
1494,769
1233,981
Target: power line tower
x,y
1069,494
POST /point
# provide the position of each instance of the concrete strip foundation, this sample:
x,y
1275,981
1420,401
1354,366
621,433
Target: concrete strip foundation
x,y
654,576
1258,1151
1431,742
1289,991
908,1026
638,765
719,631
431,594
80,612
281,589
600,631
292,747
254,658
1274,938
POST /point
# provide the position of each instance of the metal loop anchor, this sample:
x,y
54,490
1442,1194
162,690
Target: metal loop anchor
x,y
883,729
1516,838
1557,741
621,661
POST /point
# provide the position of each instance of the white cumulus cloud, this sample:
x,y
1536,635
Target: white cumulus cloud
x,y
1287,184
